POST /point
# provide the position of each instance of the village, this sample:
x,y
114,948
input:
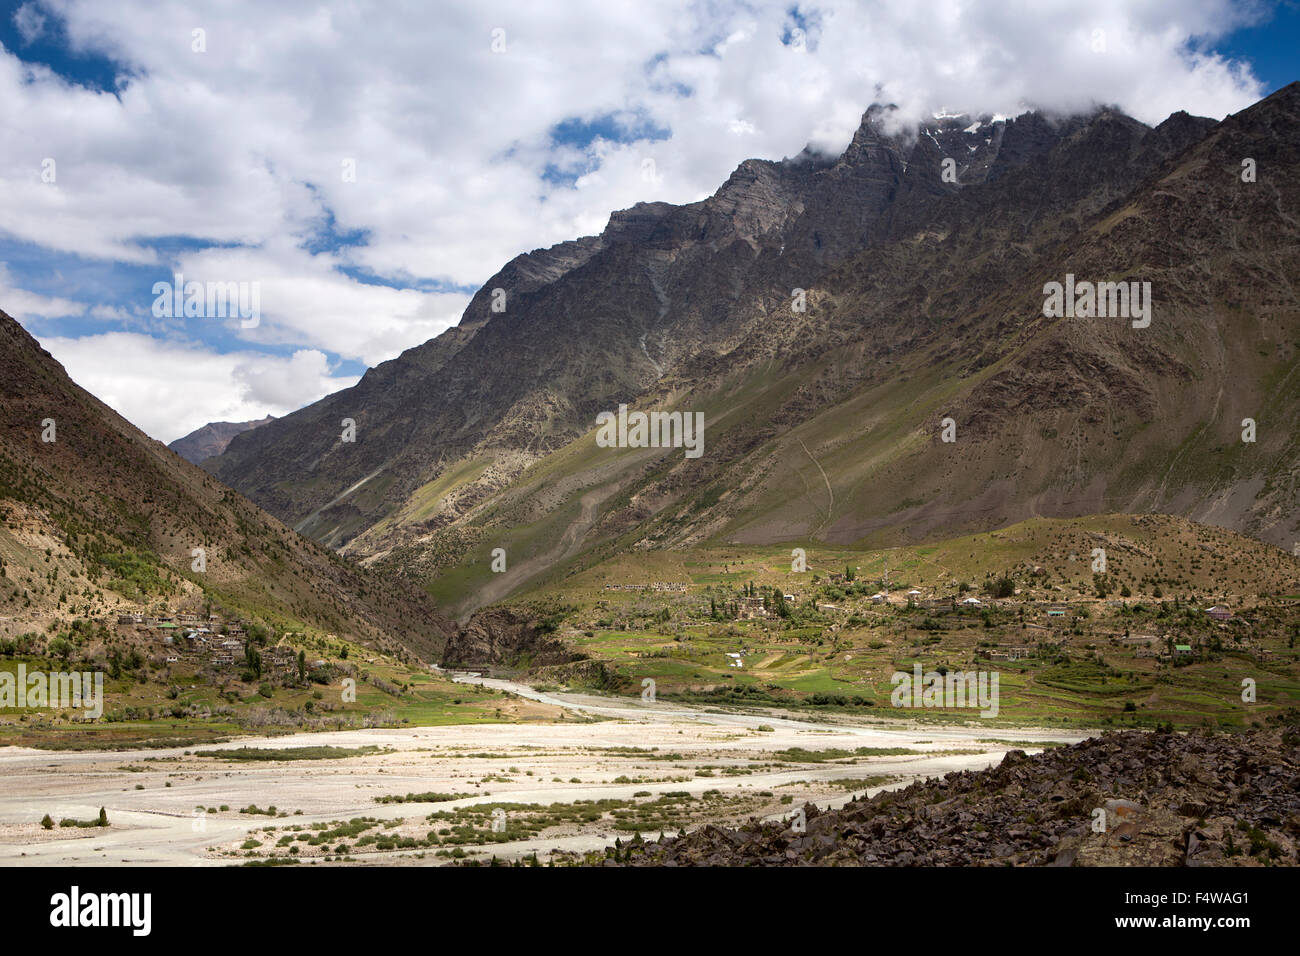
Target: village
x,y
209,641
1045,624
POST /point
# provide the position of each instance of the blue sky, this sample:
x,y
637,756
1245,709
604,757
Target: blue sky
x,y
216,140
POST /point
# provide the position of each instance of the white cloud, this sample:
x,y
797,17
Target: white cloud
x,y
275,383
169,389
449,139
29,305
29,21
304,300
245,143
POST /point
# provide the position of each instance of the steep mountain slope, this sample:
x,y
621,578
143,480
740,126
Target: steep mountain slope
x,y
658,286
212,439
96,515
925,302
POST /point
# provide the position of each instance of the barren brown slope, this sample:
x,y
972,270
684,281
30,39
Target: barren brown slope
x,y
120,512
597,321
827,425
212,439
925,302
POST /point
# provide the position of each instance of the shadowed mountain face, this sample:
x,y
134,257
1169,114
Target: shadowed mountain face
x,y
94,514
835,319
212,439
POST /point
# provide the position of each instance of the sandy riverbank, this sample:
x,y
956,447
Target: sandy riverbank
x,y
152,796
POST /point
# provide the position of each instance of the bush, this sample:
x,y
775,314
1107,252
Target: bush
x,y
47,822
1003,587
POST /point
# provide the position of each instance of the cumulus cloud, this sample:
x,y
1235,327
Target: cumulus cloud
x,y
168,389
29,21
22,304
248,140
428,138
303,299
275,383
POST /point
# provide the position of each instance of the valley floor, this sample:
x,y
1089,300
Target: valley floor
x,y
720,767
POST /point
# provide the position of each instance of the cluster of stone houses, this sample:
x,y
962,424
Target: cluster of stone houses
x,y
198,640
212,623
656,586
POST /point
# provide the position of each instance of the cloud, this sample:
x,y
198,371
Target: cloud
x,y
247,142
275,383
22,304
305,149
304,299
168,389
29,21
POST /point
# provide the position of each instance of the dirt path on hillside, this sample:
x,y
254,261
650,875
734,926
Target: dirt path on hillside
x,y
500,586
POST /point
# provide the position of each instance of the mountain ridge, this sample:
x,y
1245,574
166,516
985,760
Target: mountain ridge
x,y
923,302
98,517
211,439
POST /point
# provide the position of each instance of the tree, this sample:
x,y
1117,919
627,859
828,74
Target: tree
x,y
302,665
103,818
47,821
253,661
779,603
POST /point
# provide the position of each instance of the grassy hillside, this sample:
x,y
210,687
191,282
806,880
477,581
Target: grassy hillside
x,y
1071,646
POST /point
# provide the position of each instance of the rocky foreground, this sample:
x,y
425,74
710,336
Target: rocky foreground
x,y
1123,799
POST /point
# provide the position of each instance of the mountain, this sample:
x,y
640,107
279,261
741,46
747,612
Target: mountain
x,y
211,439
95,516
924,319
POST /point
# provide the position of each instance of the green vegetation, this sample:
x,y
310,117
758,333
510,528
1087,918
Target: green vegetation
x,y
799,755
422,797
288,753
100,821
1064,655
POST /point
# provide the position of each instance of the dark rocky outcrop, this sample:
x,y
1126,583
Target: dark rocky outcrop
x,y
502,637
1166,800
